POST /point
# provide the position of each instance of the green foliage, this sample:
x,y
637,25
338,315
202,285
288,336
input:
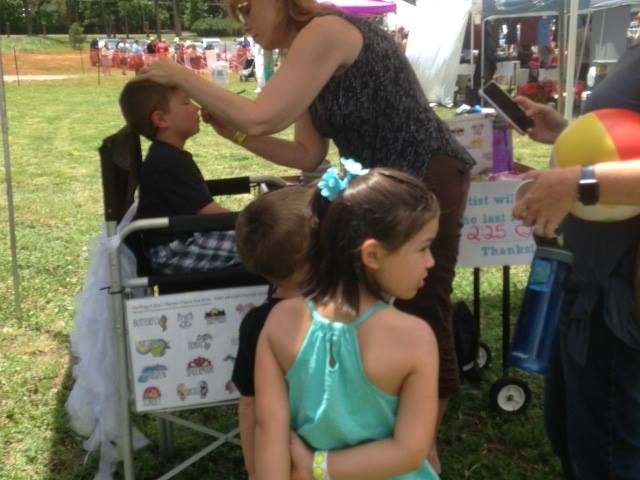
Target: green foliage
x,y
11,13
217,27
100,17
76,35
196,9
33,44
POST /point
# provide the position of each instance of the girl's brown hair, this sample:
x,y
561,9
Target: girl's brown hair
x,y
387,205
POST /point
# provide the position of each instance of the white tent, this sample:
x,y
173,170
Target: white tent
x,y
436,34
492,9
403,16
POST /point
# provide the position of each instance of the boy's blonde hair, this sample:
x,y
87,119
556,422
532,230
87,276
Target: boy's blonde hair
x,y
272,233
139,99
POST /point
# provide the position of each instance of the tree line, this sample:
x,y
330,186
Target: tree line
x,y
106,17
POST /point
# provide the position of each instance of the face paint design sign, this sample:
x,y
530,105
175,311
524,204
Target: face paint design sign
x,y
182,346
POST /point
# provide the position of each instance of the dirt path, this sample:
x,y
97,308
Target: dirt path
x,y
46,63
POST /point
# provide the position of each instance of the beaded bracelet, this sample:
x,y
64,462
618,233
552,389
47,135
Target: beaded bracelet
x,y
319,468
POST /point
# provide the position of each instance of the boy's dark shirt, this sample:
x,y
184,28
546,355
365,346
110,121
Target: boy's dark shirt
x,y
170,184
250,328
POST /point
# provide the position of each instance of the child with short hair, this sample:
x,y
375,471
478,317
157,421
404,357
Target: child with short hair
x,y
272,234
170,182
353,376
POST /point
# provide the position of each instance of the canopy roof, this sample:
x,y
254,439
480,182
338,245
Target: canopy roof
x,y
524,8
365,7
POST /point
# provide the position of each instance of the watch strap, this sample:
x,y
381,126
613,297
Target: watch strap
x,y
588,188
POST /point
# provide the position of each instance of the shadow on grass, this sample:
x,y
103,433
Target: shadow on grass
x,y
477,442
67,456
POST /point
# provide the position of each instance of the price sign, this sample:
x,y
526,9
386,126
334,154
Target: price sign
x,y
490,235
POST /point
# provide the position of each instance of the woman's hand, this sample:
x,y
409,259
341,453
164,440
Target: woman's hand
x,y
549,200
163,71
547,122
301,458
220,128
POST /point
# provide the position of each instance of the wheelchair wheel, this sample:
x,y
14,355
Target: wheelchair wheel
x,y
510,395
484,356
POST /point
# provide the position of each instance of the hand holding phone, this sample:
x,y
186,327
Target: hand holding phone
x,y
505,105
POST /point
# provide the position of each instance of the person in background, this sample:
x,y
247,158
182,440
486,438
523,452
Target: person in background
x,y
137,56
178,51
592,389
94,52
106,56
151,45
332,87
162,48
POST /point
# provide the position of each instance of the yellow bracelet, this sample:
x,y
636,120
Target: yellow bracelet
x,y
319,469
238,137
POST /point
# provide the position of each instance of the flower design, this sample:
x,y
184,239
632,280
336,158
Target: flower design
x,y
352,167
331,185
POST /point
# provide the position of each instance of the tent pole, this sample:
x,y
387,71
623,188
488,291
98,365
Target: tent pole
x,y
472,46
560,26
571,60
583,45
10,207
482,55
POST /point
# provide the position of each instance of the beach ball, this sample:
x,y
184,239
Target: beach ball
x,y
600,136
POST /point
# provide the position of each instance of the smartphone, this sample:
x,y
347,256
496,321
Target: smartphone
x,y
505,105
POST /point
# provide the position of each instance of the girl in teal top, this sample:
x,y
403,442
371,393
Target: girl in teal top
x,y
353,377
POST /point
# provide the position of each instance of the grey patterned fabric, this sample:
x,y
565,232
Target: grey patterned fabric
x,y
376,111
203,252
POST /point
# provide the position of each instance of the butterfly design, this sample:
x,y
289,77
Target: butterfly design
x,y
185,321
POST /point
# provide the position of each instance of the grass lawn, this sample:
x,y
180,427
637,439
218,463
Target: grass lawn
x,y
55,130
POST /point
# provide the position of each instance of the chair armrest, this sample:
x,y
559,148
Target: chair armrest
x,y
216,222
235,276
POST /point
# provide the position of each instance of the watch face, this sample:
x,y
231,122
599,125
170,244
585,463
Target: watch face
x,y
588,191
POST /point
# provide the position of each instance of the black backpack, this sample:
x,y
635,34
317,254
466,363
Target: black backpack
x,y
466,332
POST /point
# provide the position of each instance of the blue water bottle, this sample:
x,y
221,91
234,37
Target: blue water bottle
x,y
540,311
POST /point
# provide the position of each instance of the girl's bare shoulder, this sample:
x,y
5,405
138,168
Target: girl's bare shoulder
x,y
407,329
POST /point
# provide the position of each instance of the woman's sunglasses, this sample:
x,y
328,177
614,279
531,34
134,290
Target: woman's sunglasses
x,y
243,9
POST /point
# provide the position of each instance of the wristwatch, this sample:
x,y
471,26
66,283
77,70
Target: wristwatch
x,y
588,188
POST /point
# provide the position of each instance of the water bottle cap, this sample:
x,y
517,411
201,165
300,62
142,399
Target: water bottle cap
x,y
554,253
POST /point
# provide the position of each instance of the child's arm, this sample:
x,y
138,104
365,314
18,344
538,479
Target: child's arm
x,y
212,207
414,430
272,458
247,421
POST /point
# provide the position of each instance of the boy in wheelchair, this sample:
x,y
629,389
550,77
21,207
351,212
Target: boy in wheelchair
x,y
170,182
